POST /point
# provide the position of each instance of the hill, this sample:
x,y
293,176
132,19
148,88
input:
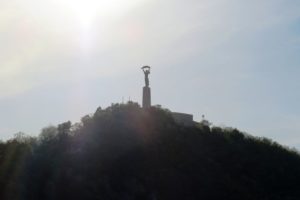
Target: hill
x,y
126,152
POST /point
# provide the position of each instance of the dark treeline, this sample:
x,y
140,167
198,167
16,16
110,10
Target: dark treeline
x,y
124,152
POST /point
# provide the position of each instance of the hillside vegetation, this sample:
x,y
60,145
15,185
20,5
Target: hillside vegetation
x,y
124,152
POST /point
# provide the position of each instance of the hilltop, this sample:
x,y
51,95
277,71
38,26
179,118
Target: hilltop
x,y
127,152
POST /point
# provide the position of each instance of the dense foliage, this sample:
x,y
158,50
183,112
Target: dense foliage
x,y
125,152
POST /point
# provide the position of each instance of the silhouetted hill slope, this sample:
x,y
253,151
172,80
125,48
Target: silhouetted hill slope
x,y
124,152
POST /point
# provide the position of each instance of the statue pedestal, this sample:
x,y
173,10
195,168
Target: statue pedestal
x,y
146,97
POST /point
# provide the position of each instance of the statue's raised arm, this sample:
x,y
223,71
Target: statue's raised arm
x,y
146,70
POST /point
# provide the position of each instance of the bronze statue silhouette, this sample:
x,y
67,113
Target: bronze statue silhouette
x,y
146,70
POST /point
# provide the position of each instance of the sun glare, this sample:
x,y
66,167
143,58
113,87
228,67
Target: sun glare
x,y
88,10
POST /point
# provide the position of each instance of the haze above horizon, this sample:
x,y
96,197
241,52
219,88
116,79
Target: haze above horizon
x,y
237,62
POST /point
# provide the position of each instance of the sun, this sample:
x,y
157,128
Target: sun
x,y
87,10
85,23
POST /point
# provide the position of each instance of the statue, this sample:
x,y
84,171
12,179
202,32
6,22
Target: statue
x,y
146,89
146,70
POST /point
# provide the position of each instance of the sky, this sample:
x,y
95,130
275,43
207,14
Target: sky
x,y
236,62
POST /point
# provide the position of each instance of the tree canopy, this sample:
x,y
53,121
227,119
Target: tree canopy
x,y
126,152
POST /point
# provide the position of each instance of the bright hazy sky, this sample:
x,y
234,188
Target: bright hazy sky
x,y
237,62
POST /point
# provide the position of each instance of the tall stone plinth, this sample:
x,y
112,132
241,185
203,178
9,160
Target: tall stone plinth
x,y
146,97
